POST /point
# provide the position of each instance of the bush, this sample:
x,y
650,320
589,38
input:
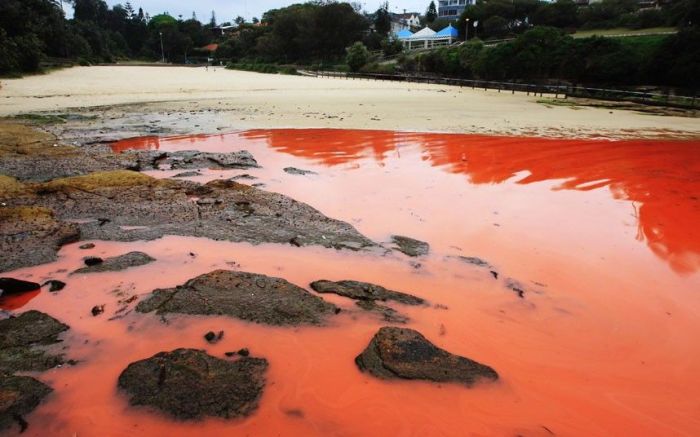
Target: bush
x,y
357,56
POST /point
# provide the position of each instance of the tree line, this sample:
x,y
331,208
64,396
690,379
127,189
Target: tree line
x,y
549,54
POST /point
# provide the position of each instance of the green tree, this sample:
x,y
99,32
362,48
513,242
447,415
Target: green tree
x,y
382,20
357,56
431,13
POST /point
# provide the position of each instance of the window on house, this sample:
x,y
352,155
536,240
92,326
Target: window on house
x,y
452,12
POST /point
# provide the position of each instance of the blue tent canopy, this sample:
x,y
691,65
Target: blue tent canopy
x,y
405,33
448,31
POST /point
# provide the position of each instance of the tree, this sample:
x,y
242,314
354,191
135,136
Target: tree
x,y
357,56
212,21
382,20
431,13
239,20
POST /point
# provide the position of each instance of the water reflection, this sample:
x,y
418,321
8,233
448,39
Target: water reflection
x,y
661,177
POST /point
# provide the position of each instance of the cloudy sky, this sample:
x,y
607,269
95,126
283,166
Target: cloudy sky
x,y
227,10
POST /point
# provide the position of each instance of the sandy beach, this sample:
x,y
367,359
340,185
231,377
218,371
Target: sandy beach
x,y
242,100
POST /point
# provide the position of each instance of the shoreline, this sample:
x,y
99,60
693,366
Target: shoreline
x,y
176,100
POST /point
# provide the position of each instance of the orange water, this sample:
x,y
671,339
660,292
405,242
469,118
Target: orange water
x,y
603,236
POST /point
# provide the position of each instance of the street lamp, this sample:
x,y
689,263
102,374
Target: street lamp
x,y
162,52
466,31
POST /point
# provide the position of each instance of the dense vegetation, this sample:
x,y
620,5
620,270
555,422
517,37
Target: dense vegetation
x,y
546,53
502,18
332,33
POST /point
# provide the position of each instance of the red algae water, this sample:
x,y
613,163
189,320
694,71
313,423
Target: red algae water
x,y
602,236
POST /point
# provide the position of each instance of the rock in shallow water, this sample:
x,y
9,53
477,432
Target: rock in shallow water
x,y
396,353
298,171
410,246
189,384
19,337
118,263
364,291
16,286
247,296
19,395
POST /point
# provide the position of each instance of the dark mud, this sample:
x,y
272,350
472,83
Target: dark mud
x,y
189,384
396,353
118,263
21,341
247,296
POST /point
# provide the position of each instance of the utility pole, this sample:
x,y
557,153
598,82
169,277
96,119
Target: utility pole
x,y
162,52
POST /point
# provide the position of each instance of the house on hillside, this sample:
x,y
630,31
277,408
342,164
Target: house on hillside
x,y
453,8
406,21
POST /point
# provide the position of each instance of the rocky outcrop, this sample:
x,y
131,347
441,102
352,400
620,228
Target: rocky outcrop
x,y
189,384
364,291
410,246
128,206
118,263
21,341
247,296
31,235
191,159
19,395
396,353
298,171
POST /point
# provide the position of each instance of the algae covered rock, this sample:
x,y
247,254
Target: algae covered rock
x,y
247,296
189,384
19,395
399,353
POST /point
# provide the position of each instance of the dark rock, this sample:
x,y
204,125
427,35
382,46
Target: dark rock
x,y
210,337
410,246
16,286
189,159
19,395
87,246
20,338
145,208
118,263
399,353
298,171
242,176
31,235
364,291
229,354
494,274
243,352
97,310
388,314
473,260
189,384
55,285
247,296
187,174
515,286
92,261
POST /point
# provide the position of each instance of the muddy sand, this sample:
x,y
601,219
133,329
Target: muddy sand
x,y
339,281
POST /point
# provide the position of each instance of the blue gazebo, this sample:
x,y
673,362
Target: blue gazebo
x,y
428,38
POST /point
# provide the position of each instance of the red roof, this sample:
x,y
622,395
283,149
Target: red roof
x,y
210,47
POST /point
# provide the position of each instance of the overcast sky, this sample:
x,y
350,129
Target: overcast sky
x,y
227,10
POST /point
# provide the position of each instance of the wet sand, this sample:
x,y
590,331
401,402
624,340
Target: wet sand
x,y
241,100
601,235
